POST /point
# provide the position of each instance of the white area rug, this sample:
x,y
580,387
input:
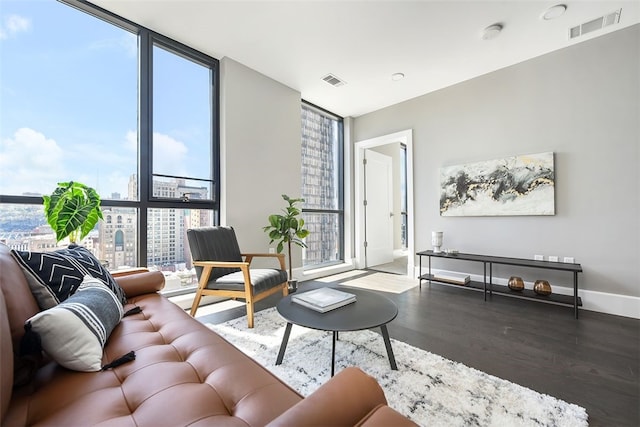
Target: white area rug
x,y
427,388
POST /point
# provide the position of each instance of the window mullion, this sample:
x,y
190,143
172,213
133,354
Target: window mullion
x,y
145,134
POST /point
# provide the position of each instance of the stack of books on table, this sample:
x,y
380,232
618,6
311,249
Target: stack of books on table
x,y
323,299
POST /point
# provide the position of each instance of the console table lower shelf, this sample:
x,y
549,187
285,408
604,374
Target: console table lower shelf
x,y
487,286
504,290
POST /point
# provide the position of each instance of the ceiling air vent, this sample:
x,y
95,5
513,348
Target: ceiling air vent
x,y
595,24
333,80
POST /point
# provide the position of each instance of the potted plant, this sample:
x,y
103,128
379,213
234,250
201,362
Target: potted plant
x,y
286,229
72,210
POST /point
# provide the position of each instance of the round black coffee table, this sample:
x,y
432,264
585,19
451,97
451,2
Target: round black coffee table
x,y
370,310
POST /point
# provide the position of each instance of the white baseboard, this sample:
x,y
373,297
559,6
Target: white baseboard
x,y
603,302
620,305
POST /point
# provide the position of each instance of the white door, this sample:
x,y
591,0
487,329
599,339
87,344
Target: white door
x,y
378,190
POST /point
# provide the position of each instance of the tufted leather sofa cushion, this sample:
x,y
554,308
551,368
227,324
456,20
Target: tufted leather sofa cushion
x,y
180,364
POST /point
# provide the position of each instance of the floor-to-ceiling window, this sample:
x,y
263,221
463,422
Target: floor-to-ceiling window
x,y
86,96
322,186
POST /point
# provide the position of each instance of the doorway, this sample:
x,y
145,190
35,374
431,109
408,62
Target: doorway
x,y
378,208
394,207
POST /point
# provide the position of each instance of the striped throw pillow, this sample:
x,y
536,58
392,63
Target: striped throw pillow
x,y
74,332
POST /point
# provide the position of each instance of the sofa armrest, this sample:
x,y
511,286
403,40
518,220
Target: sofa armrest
x,y
139,283
128,271
344,400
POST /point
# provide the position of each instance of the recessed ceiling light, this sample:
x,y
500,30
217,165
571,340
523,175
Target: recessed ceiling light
x,y
554,12
397,76
491,31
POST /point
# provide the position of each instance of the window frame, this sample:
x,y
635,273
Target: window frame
x,y
340,211
187,53
146,40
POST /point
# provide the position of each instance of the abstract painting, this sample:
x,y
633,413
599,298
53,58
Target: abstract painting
x,y
517,185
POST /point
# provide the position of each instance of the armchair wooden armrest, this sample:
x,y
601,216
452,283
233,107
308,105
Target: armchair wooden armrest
x,y
221,264
249,257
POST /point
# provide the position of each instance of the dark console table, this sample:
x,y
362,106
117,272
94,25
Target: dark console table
x,y
490,287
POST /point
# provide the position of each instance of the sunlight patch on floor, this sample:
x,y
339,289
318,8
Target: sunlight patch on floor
x,y
385,282
340,276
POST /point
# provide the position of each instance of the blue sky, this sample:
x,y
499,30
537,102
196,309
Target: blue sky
x,y
68,103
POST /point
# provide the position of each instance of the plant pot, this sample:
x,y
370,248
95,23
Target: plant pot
x,y
293,286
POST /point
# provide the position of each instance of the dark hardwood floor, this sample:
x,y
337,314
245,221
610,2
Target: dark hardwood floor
x,y
593,362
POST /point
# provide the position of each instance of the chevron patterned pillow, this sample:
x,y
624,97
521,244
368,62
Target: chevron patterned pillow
x,y
55,276
74,332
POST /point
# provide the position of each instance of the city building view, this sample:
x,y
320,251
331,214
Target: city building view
x,y
321,179
113,242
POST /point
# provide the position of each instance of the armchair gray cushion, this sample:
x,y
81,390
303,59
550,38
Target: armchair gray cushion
x,y
261,280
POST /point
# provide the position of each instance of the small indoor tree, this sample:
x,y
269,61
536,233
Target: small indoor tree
x,y
72,210
287,228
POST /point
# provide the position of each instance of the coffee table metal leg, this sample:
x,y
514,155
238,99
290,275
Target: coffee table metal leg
x,y
333,352
387,344
283,346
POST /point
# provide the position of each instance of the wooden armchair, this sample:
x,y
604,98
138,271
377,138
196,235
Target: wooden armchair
x,y
224,271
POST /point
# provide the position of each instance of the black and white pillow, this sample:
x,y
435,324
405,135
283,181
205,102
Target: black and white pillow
x,y
55,276
74,332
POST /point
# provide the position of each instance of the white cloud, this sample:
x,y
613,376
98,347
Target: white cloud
x,y
119,183
30,162
128,43
12,25
103,163
131,141
169,155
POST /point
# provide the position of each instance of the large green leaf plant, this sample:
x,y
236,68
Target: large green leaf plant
x,y
72,210
287,228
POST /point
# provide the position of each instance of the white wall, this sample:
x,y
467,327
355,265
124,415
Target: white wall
x,y
260,152
583,104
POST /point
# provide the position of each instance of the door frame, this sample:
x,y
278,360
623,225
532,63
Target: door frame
x,y
405,137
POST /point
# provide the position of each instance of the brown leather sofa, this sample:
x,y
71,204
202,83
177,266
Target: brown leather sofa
x,y
183,374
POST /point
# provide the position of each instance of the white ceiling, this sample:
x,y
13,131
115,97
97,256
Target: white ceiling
x,y
434,43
